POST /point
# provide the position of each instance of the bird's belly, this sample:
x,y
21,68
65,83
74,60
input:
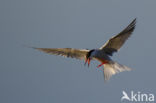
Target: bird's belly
x,y
102,60
101,56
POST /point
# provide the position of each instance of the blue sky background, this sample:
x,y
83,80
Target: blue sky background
x,y
30,76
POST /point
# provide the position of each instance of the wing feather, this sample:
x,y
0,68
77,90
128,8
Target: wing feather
x,y
66,52
116,42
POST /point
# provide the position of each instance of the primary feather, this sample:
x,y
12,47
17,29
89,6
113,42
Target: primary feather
x,y
66,52
116,42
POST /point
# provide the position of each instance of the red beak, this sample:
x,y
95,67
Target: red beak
x,y
87,60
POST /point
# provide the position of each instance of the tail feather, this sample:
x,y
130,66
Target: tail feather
x,y
112,68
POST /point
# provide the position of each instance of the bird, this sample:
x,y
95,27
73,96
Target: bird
x,y
102,54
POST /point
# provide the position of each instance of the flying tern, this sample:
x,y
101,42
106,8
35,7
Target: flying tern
x,y
102,54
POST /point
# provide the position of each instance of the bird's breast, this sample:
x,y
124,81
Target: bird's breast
x,y
101,56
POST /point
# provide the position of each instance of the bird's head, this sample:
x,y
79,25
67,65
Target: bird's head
x,y
89,57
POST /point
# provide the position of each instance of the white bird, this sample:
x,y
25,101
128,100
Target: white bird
x,y
125,96
102,54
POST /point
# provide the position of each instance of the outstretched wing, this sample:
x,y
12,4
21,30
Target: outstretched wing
x,y
115,43
66,52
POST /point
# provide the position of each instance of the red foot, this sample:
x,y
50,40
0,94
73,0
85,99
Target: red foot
x,y
102,64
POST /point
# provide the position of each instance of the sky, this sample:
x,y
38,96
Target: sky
x,y
30,76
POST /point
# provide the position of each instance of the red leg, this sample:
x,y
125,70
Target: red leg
x,y
102,63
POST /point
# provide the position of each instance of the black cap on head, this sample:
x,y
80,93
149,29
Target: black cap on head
x,y
89,53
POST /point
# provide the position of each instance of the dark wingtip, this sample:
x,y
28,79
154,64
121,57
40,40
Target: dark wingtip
x,y
134,21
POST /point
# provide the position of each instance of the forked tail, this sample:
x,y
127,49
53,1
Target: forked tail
x,y
112,68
